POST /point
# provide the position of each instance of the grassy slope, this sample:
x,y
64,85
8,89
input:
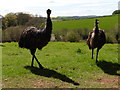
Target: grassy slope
x,y
63,61
106,23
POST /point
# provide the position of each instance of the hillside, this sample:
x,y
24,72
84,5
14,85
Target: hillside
x,y
106,23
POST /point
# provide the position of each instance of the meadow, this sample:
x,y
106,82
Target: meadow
x,y
107,23
66,65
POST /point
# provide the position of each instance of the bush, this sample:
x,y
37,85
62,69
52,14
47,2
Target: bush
x,y
113,36
68,35
109,38
12,34
60,34
72,36
116,12
83,33
5,36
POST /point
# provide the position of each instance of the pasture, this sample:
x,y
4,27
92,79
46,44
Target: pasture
x,y
66,65
106,23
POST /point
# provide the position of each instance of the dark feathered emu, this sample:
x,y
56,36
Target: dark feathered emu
x,y
33,38
96,39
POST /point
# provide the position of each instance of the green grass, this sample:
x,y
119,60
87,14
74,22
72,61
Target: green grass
x,y
65,63
106,23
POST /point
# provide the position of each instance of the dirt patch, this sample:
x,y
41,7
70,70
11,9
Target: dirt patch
x,y
109,80
48,83
43,84
1,85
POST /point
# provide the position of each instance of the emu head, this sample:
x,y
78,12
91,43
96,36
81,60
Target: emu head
x,y
49,11
96,21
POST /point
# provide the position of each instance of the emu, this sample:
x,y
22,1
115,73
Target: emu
x,y
33,38
96,39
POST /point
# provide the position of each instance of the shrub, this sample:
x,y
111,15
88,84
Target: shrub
x,y
68,35
110,38
12,34
72,36
113,36
5,36
60,34
83,33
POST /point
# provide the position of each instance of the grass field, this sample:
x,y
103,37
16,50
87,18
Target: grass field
x,y
66,65
106,23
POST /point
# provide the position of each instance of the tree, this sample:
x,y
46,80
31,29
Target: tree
x,y
23,18
0,22
116,12
36,22
4,23
10,20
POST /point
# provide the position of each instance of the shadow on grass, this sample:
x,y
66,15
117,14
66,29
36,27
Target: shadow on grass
x,y
109,67
50,73
2,45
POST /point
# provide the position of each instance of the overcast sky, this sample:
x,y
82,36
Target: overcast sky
x,y
60,7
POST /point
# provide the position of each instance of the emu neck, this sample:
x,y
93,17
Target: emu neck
x,y
96,28
48,27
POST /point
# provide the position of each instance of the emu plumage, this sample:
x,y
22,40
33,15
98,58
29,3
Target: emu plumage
x,y
33,38
96,39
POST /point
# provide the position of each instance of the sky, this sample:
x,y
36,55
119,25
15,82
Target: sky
x,y
60,7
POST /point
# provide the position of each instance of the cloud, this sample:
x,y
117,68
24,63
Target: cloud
x,y
52,2
119,5
59,7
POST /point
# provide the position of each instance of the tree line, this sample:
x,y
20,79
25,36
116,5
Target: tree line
x,y
116,12
24,19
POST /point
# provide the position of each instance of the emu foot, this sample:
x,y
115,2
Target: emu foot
x,y
40,66
31,65
96,61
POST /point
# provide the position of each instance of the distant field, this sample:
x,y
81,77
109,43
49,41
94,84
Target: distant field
x,y
106,23
65,64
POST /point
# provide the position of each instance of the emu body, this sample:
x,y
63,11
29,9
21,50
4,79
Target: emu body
x,y
33,38
96,39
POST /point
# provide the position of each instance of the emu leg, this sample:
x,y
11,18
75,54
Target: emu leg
x,y
33,54
32,61
92,53
97,55
38,63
